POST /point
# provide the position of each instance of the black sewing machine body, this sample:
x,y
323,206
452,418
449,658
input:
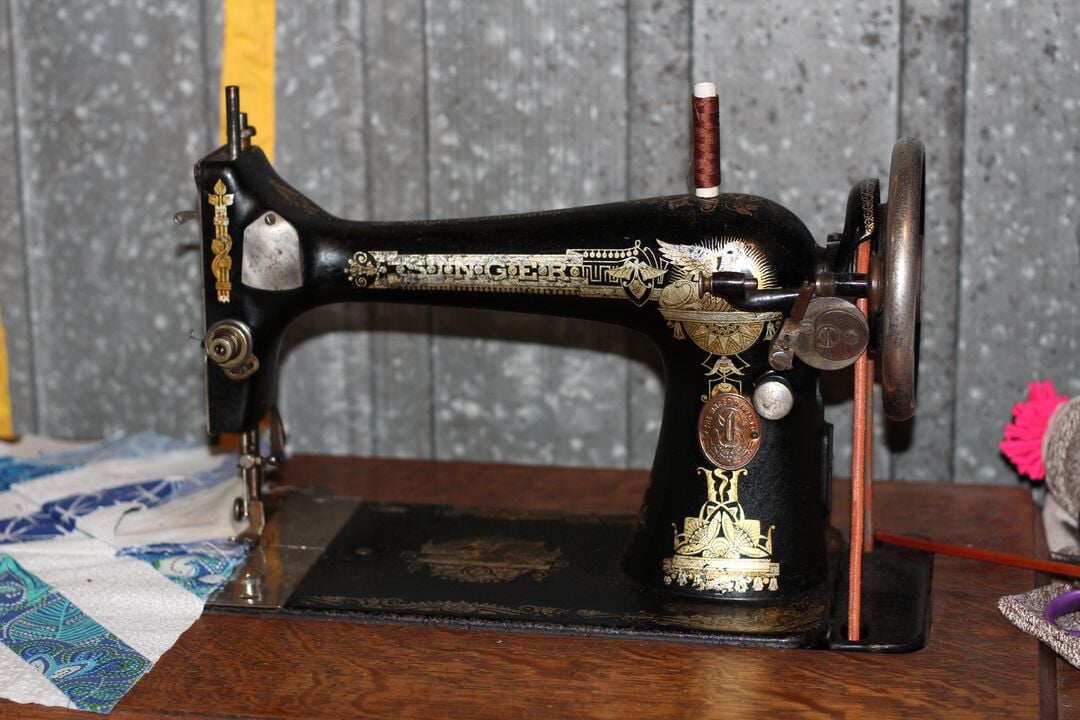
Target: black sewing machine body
x,y
737,505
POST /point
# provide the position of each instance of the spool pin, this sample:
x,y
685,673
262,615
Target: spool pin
x,y
706,153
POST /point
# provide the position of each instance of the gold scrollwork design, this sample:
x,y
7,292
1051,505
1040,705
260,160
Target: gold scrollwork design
x,y
722,550
484,559
636,273
788,617
221,245
710,322
631,272
449,607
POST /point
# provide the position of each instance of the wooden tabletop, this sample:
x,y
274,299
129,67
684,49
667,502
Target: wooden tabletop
x,y
976,665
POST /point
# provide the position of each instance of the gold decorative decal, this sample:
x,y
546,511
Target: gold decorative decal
x,y
517,514
485,559
786,617
720,549
721,371
222,243
450,607
629,272
634,273
710,322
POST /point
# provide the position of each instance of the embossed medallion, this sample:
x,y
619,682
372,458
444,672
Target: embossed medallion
x,y
729,430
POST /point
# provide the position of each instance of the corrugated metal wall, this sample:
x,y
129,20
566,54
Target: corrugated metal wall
x,y
438,108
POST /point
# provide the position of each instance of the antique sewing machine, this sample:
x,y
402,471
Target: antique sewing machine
x,y
732,543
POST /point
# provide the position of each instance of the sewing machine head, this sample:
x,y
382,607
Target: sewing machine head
x,y
744,306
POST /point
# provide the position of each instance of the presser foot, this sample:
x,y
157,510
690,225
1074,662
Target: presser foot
x,y
254,511
252,471
547,572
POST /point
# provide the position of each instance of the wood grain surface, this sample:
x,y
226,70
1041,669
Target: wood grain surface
x,y
976,665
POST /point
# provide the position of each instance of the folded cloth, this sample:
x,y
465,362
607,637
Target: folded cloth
x,y
107,554
130,482
1025,611
20,462
197,516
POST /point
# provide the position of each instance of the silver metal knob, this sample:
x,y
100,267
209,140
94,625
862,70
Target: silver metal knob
x,y
773,398
228,343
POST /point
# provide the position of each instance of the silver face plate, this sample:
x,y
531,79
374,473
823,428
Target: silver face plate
x,y
271,254
300,526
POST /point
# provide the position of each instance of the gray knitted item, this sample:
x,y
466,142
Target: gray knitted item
x,y
1061,455
1025,611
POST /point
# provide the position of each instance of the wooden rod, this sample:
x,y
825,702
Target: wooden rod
x,y
1051,567
859,457
868,480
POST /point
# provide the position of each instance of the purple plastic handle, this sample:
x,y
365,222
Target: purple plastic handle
x,y
1065,603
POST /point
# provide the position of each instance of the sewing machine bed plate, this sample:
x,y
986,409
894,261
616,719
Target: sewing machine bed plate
x,y
543,572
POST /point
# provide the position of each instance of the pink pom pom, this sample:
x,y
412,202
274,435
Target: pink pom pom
x,y
1022,444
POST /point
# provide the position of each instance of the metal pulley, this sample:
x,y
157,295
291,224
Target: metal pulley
x,y
823,327
894,281
901,278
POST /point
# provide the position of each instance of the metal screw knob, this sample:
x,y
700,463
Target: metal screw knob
x,y
228,343
773,398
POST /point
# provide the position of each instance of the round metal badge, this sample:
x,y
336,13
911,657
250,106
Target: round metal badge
x,y
729,431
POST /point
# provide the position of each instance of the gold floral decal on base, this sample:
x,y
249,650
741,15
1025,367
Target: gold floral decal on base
x,y
221,265
484,559
721,549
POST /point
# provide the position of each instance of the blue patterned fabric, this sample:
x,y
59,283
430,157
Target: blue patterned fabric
x,y
37,525
90,665
16,470
58,517
201,568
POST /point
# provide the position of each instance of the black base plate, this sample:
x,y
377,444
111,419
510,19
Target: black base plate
x,y
554,572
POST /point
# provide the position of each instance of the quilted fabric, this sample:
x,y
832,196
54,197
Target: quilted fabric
x,y
90,665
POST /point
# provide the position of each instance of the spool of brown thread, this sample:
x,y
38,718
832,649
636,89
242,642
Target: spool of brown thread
x,y
706,154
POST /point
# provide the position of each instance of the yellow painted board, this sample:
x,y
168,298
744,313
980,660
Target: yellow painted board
x,y
248,62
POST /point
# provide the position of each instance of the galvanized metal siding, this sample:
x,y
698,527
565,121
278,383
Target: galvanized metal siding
x,y
412,109
1019,267
526,110
403,391
808,106
321,113
14,305
110,114
931,107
